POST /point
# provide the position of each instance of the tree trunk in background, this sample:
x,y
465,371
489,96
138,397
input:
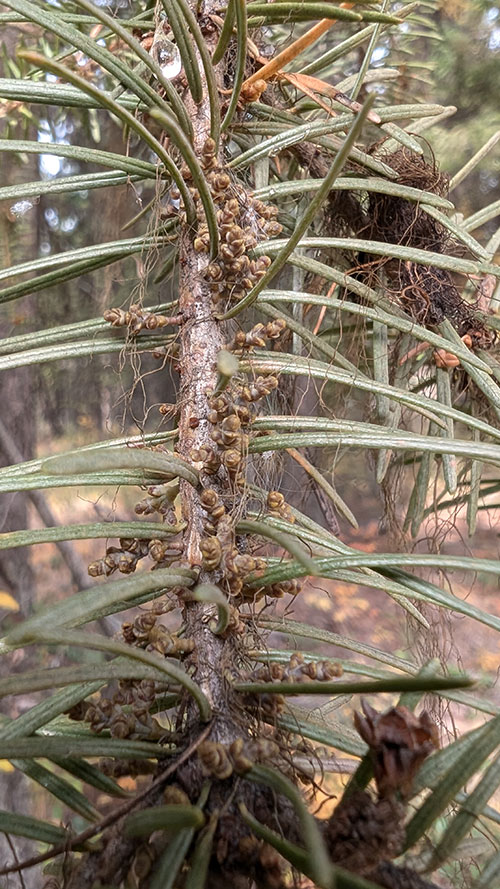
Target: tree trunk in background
x,y
18,238
16,398
16,574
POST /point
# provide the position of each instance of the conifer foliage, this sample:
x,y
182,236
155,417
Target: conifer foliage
x,y
282,203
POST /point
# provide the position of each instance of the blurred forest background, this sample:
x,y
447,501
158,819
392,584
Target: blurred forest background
x,y
449,55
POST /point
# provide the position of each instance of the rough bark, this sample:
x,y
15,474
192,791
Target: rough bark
x,y
201,338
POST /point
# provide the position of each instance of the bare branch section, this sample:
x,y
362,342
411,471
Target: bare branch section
x,y
201,338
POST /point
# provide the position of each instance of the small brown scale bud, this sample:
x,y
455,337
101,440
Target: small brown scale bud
x,y
117,317
208,154
159,500
286,587
278,507
122,725
230,428
272,228
235,235
274,591
275,328
165,551
145,632
267,211
255,338
225,531
239,265
259,388
253,91
275,500
142,626
145,691
167,644
244,415
157,549
137,318
222,404
126,563
134,545
235,625
299,671
209,498
270,673
232,460
215,760
219,184
214,272
241,563
235,585
212,504
96,569
258,267
209,528
202,242
241,762
128,632
211,552
208,457
232,207
220,760
229,252
115,559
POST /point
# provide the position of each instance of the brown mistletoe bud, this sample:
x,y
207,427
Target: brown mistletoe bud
x,y
211,552
274,329
117,317
272,228
232,459
215,760
212,504
214,272
242,763
275,500
252,92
